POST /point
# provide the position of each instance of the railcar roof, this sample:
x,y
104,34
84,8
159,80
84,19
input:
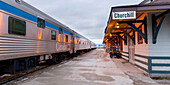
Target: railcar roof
x,y
34,11
24,6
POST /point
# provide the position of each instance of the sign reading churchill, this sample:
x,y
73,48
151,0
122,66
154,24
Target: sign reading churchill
x,y
124,15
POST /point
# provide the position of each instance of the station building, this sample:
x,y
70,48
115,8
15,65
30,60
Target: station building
x,y
142,33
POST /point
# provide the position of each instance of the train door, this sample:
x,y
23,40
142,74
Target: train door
x,y
72,43
131,50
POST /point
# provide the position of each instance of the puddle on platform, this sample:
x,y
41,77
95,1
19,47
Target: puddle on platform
x,y
114,74
95,54
76,59
124,62
95,77
86,60
105,60
87,69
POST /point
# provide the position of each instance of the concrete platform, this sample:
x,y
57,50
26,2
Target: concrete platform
x,y
93,68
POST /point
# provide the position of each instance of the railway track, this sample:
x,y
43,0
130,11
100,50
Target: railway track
x,y
7,79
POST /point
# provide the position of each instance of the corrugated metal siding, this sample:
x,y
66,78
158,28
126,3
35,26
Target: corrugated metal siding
x,y
16,46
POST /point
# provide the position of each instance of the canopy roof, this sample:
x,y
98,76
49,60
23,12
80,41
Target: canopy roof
x,y
112,27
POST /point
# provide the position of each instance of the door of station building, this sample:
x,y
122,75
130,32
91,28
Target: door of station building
x,y
131,50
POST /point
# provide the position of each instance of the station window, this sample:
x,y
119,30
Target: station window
x,y
41,23
16,26
140,39
53,35
66,38
60,31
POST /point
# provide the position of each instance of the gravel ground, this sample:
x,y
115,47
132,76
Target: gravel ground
x,y
93,68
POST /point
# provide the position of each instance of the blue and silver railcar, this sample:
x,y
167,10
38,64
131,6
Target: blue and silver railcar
x,y
28,36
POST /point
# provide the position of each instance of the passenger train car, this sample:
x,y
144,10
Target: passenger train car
x,y
29,36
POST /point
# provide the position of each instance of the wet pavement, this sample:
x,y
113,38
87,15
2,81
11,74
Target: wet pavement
x,y
93,68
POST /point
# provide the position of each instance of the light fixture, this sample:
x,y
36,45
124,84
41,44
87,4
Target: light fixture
x,y
117,25
110,35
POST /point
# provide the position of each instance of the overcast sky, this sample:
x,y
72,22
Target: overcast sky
x,y
87,17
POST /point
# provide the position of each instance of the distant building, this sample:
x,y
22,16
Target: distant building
x,y
101,45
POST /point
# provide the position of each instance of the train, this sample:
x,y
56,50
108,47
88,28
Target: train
x,y
28,37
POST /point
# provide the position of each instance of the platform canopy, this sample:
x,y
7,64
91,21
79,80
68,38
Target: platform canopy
x,y
123,19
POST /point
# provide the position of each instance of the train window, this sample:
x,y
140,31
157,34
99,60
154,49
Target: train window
x,y
53,35
66,38
16,26
60,31
41,23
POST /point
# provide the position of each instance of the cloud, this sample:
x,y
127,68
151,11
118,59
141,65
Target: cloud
x,y
87,17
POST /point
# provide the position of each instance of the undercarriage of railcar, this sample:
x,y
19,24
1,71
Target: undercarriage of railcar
x,y
14,66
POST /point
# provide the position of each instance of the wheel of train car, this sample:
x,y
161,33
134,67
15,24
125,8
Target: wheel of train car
x,y
75,54
31,63
20,65
54,59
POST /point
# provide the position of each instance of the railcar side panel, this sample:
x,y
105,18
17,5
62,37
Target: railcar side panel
x,y
37,41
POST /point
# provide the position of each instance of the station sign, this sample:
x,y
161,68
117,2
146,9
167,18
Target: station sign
x,y
124,15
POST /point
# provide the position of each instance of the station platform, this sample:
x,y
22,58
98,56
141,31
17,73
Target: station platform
x,y
92,68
